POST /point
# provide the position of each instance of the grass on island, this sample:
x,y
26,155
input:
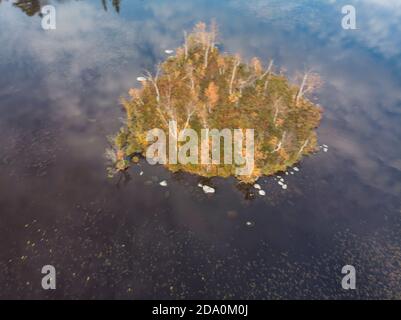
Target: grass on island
x,y
200,87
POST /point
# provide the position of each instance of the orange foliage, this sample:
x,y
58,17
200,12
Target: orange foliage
x,y
283,154
212,94
120,155
273,141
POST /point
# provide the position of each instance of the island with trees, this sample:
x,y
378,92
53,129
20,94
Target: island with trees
x,y
200,87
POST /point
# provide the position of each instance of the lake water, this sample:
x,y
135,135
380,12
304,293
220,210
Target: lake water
x,y
130,238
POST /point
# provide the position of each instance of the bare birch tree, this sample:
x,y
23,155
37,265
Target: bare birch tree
x,y
310,82
280,143
237,62
303,147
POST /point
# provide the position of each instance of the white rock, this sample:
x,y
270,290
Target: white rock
x,y
249,223
168,51
284,186
325,146
281,183
141,173
256,186
207,189
286,173
325,149
296,169
282,180
292,172
262,192
163,183
141,79
200,185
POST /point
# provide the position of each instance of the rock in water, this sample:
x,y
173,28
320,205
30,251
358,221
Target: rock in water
x,y
163,183
141,79
256,186
168,51
262,192
207,189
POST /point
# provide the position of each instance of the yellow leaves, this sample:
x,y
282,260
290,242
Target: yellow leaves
x,y
273,141
200,27
129,109
221,63
180,52
134,93
200,32
257,66
234,97
141,139
120,155
197,57
283,154
279,122
212,94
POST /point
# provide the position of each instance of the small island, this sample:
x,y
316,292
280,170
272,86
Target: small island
x,y
198,87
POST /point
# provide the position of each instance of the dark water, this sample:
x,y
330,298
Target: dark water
x,y
129,237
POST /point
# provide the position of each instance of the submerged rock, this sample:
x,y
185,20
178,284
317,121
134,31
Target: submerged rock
x,y
207,189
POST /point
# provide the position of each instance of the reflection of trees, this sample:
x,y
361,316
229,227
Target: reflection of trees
x,y
114,3
32,7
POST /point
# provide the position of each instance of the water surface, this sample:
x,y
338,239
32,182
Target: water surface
x,y
129,237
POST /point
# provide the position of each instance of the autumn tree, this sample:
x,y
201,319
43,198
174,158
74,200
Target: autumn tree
x,y
257,66
309,83
212,95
